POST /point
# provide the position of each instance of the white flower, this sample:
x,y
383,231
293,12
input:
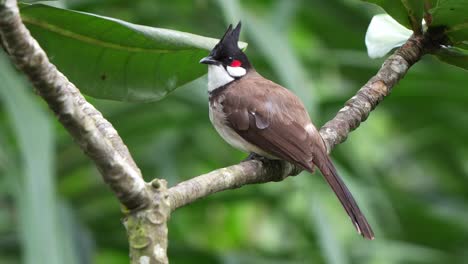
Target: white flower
x,y
384,34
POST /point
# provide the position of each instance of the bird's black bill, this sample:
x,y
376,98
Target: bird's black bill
x,y
209,60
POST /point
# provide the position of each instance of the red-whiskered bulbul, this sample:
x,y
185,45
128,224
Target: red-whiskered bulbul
x,y
259,116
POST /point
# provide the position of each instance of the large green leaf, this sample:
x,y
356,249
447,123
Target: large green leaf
x,y
453,16
113,59
454,56
409,13
38,1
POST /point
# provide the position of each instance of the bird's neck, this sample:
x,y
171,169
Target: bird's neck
x,y
218,77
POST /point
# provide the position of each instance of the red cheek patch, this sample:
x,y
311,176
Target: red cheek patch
x,y
236,63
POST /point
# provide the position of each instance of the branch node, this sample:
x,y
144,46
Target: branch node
x,y
147,228
155,183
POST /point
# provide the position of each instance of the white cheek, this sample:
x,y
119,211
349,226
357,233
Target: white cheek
x,y
217,77
236,71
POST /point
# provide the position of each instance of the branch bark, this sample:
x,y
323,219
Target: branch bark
x,y
358,108
334,132
147,229
146,205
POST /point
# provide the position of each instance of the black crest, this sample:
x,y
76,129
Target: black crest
x,y
227,46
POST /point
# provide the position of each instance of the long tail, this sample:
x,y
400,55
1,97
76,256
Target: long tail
x,y
328,170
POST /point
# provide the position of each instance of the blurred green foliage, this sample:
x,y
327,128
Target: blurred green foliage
x,y
407,165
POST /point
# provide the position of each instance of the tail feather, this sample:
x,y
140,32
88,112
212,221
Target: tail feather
x,y
328,170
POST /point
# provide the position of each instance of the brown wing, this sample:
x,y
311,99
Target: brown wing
x,y
271,117
274,119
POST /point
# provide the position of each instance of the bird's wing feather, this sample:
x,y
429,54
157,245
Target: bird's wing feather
x,y
274,119
283,136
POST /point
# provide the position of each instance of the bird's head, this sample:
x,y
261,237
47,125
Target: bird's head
x,y
226,57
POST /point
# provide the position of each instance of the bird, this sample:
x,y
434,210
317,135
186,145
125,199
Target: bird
x,y
260,117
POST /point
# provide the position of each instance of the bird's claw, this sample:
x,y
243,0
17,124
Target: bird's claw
x,y
254,156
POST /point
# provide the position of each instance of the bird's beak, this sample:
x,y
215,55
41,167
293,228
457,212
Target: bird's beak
x,y
209,60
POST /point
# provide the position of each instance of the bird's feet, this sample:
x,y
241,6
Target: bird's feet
x,y
255,156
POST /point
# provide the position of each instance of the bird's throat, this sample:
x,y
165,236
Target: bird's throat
x,y
218,77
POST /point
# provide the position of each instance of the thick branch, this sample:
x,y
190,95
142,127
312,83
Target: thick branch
x,y
334,132
236,176
95,135
146,219
147,229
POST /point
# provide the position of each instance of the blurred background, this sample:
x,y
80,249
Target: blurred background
x,y
407,165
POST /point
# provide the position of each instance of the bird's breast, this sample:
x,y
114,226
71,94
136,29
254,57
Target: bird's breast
x,y
219,120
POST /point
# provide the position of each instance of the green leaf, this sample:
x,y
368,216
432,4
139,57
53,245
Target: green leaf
x,y
454,56
113,59
38,1
409,13
415,10
453,16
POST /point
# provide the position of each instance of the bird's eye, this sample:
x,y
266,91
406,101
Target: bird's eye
x,y
236,63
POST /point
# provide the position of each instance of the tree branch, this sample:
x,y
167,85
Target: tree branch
x,y
147,229
95,135
358,108
236,176
147,206
334,132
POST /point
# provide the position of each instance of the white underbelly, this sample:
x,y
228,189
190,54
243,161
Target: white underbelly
x,y
218,120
